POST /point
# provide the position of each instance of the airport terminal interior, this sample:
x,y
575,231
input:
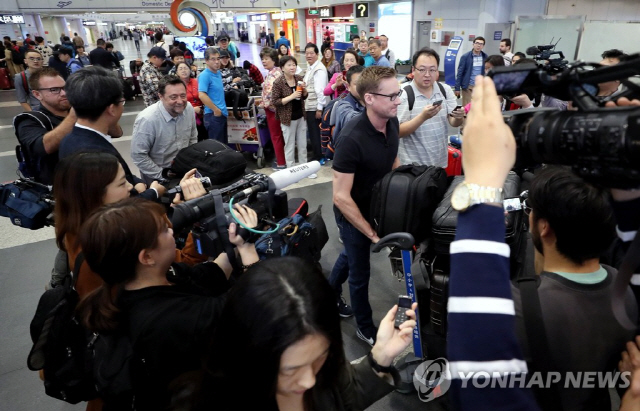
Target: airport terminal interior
x,y
584,28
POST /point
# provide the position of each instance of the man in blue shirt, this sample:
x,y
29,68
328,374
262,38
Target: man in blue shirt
x,y
282,40
363,46
471,65
211,93
375,49
65,55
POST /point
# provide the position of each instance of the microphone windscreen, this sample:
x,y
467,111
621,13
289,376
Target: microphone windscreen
x,y
533,50
288,176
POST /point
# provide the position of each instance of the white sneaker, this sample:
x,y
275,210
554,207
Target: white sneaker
x,y
312,176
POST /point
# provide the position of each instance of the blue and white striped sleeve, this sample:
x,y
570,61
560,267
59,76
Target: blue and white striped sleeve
x,y
482,345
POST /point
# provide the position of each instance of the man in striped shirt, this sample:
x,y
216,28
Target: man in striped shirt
x,y
423,129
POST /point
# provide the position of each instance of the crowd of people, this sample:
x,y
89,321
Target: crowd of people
x,y
184,312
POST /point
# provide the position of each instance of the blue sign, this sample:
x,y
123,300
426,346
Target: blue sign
x,y
497,35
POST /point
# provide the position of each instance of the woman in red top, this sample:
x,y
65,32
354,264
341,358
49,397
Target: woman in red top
x,y
184,72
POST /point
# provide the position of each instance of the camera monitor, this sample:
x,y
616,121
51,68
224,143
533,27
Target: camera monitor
x,y
196,44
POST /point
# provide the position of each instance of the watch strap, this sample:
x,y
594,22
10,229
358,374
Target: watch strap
x,y
388,370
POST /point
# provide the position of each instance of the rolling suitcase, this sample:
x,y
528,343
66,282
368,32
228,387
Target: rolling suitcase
x,y
405,198
5,83
445,219
454,166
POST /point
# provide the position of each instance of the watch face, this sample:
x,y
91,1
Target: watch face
x,y
460,197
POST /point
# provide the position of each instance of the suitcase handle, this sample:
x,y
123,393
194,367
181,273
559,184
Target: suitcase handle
x,y
404,241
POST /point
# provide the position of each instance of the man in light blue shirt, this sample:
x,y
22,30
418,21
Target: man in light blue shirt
x,y
211,93
363,46
375,49
163,129
65,55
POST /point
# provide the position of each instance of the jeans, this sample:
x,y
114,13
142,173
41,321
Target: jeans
x,y
216,127
353,264
313,125
137,43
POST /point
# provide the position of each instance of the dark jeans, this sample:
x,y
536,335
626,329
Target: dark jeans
x,y
353,264
137,43
216,127
313,125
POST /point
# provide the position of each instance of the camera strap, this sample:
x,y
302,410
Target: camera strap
x,y
629,264
221,222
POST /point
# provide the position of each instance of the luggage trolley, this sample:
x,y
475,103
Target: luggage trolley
x,y
245,135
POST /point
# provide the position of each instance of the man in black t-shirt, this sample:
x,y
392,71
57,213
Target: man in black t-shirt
x,y
368,150
41,131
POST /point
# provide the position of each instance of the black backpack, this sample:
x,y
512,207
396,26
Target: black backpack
x,y
405,199
236,98
17,56
78,365
213,159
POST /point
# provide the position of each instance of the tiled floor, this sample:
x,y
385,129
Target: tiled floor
x,y
26,259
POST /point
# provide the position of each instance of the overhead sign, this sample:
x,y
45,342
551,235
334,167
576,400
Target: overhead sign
x,y
283,15
259,17
314,12
326,12
88,23
362,10
11,19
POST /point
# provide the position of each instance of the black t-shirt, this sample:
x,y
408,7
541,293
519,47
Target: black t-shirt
x,y
367,154
31,131
296,112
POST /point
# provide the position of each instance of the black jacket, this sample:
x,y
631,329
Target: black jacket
x,y
101,57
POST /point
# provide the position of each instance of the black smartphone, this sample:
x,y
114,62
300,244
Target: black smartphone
x,y
404,304
511,205
437,103
457,108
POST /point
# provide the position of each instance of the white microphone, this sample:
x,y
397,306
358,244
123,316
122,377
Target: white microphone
x,y
282,178
288,176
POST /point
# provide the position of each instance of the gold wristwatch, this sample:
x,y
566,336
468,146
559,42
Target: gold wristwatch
x,y
465,195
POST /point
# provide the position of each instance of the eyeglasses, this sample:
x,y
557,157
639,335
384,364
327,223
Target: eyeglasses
x,y
424,71
35,59
123,101
52,90
526,208
479,43
392,97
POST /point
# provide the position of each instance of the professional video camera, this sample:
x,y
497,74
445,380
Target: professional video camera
x,y
210,215
27,203
544,53
602,144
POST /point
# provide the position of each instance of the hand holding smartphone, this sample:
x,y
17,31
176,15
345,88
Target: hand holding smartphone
x,y
437,103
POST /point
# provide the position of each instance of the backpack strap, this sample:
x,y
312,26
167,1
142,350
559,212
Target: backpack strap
x,y
548,398
411,96
24,82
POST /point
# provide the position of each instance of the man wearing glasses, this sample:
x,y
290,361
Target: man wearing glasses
x,y
367,151
471,65
40,131
34,62
96,97
163,129
425,114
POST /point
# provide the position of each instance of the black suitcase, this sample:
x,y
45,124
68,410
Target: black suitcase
x,y
438,301
405,198
445,219
213,159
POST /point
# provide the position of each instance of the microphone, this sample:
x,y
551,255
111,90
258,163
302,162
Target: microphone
x,y
282,178
533,51
206,182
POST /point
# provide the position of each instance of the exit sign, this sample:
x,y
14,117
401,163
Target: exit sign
x,y
313,12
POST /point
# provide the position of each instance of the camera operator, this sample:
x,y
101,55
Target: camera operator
x,y
489,155
572,224
168,309
40,131
97,98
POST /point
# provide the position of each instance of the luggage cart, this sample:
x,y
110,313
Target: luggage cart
x,y
245,135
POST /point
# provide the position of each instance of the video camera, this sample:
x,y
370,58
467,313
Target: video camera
x,y
601,144
27,203
209,216
544,53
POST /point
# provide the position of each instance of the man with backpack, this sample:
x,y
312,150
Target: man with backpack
x,y
65,55
34,62
338,112
427,108
386,51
